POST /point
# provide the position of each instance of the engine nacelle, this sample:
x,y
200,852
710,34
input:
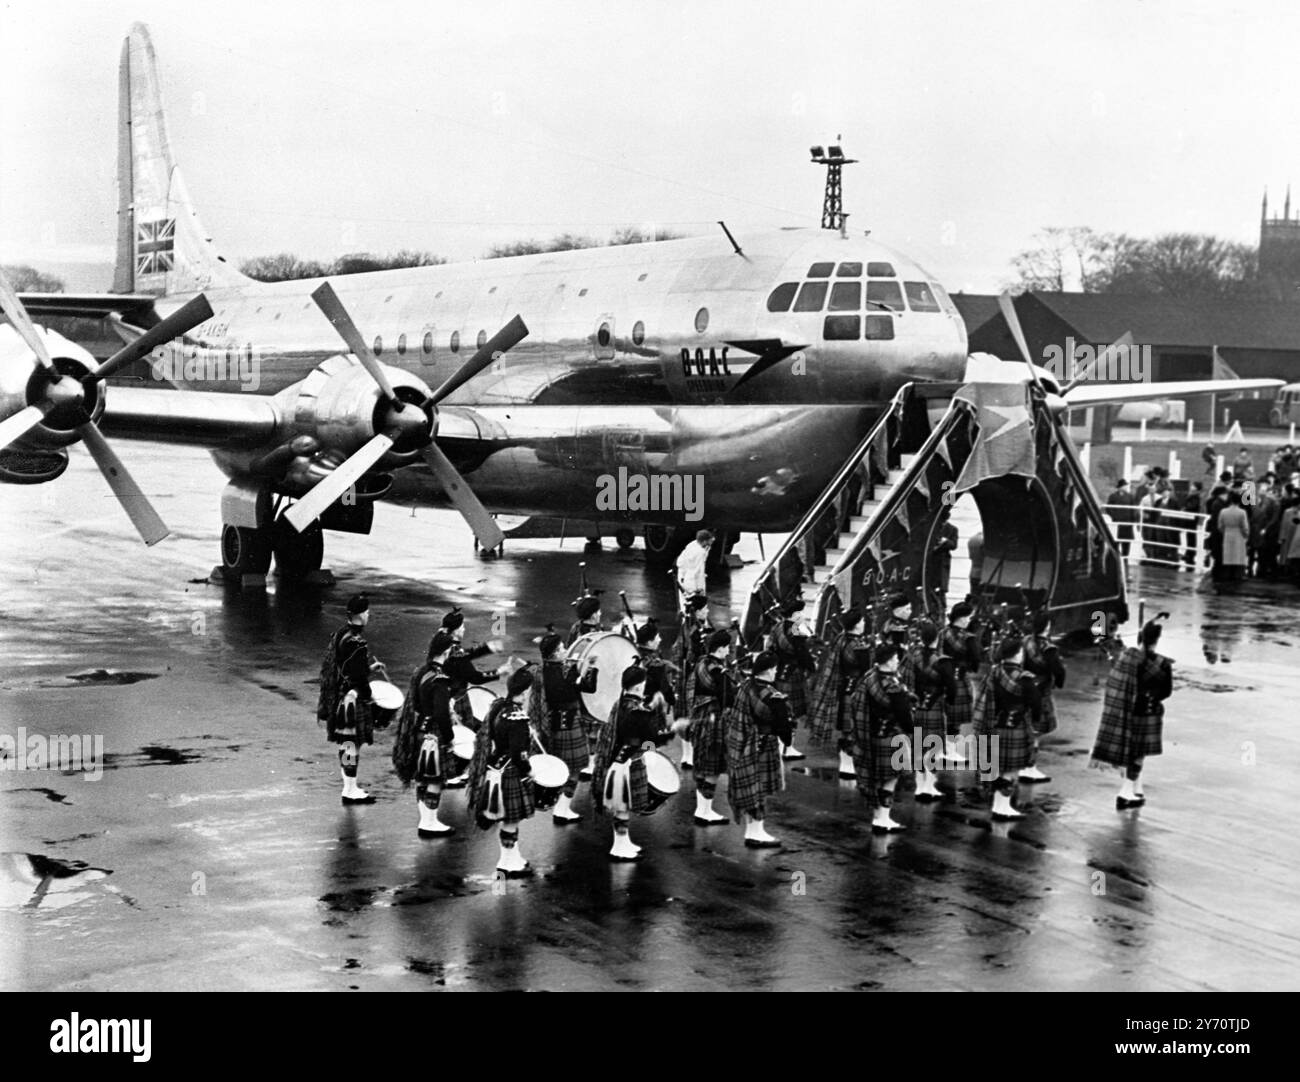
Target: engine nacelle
x,y
23,381
342,408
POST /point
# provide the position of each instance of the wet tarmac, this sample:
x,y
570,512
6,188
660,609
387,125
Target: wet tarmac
x,y
213,853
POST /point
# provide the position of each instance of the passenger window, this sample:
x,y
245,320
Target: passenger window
x,y
884,293
401,345
812,295
454,344
379,345
846,297
781,296
821,270
841,328
428,342
878,327
849,270
880,270
638,333
920,298
482,339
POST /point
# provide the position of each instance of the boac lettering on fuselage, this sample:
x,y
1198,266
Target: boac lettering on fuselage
x,y
705,370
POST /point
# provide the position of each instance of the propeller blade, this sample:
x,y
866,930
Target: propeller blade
x,y
323,494
22,422
186,318
13,308
505,339
1122,342
462,497
1013,321
145,519
328,302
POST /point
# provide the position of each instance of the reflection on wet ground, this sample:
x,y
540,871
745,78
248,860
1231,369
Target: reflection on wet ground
x,y
234,865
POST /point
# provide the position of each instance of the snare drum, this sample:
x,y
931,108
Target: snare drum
x,y
612,653
550,775
661,777
388,699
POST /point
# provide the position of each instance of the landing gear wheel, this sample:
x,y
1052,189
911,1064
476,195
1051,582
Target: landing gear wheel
x,y
624,537
297,554
245,551
663,544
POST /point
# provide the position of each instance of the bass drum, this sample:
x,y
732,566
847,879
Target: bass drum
x,y
480,699
611,653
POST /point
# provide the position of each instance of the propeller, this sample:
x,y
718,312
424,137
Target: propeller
x,y
65,395
402,415
1124,341
1013,321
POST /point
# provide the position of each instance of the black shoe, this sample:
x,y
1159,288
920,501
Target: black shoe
x,y
709,822
559,822
686,766
754,843
1121,804
522,873
584,775
421,832
348,801
927,798
456,783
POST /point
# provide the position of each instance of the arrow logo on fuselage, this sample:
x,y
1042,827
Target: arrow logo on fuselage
x,y
769,351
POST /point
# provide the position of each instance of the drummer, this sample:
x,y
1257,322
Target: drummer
x,y
712,692
462,672
660,674
794,662
623,788
555,707
422,742
500,781
345,705
589,617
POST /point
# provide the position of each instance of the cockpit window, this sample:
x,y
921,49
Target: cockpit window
x,y
846,297
920,297
841,328
781,296
878,327
945,301
880,270
812,295
884,293
821,270
849,270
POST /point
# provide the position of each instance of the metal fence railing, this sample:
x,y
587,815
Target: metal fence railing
x,y
1158,535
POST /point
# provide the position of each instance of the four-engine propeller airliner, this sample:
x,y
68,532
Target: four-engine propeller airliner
x,y
517,385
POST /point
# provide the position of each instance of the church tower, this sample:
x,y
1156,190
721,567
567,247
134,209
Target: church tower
x,y
1279,250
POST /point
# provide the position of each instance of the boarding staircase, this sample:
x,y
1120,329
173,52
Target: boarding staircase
x,y
871,533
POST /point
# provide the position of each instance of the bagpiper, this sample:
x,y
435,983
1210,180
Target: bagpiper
x,y
837,676
1043,659
660,675
500,780
555,707
756,725
959,642
934,682
623,788
344,705
1132,713
587,609
462,672
422,743
711,692
1006,708
882,717
791,643
691,647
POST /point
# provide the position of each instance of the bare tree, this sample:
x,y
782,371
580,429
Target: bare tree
x,y
27,279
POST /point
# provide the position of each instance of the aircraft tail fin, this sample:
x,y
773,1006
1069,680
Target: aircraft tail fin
x,y
162,246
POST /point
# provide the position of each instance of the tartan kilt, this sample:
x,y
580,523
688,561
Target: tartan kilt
x,y
572,746
961,712
515,796
1015,746
1047,722
873,762
931,719
795,688
708,737
590,725
982,718
1118,745
360,728
435,762
754,770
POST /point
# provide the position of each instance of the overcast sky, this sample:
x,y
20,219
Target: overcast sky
x,y
320,128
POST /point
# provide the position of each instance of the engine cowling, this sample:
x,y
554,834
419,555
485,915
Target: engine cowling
x,y
24,382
